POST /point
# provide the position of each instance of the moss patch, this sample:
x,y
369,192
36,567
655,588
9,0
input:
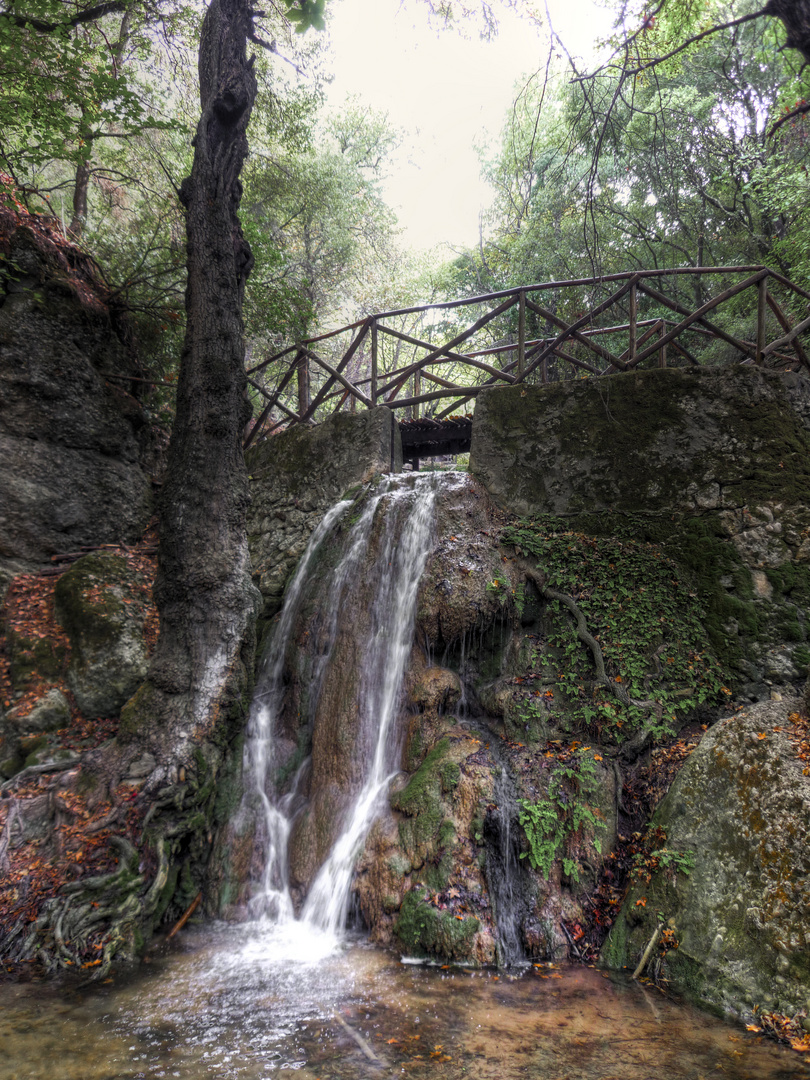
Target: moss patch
x,y
425,931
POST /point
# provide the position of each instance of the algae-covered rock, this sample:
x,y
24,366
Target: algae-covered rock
x,y
421,929
420,881
654,441
734,887
710,464
102,605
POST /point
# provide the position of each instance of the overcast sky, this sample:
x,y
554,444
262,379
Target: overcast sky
x,y
449,93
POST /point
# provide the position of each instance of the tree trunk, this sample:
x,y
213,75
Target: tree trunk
x,y
81,182
201,670
795,15
204,591
185,720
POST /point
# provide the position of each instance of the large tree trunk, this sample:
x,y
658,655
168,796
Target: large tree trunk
x,y
182,726
204,593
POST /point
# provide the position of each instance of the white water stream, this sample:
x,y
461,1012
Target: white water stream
x,y
407,507
273,899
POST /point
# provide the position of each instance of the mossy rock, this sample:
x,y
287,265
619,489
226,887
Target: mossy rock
x,y
739,807
421,799
423,930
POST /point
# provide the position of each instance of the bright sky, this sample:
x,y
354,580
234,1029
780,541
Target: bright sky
x,y
448,93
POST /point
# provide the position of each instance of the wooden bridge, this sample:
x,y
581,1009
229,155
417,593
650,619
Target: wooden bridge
x,y
550,331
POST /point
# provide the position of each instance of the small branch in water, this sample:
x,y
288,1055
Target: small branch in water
x,y
645,959
181,922
358,1038
571,944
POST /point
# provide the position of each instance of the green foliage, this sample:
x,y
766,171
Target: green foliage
x,y
673,168
66,83
646,619
505,591
654,857
306,14
565,818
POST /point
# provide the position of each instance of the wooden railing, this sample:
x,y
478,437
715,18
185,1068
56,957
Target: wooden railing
x,y
361,370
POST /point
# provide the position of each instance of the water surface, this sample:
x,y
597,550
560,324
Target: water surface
x,y
254,1001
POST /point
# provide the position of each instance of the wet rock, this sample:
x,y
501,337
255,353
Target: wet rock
x,y
456,597
298,475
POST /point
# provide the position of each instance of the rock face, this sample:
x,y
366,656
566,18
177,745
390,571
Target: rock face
x,y
738,812
712,464
72,435
298,475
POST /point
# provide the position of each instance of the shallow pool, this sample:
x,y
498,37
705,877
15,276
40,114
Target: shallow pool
x,y
252,1001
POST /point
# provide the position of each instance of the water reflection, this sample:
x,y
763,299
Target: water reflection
x,y
250,1002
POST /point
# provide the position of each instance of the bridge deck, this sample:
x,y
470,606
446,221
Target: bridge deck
x,y
429,438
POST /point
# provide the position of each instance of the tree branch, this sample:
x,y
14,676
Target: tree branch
x,y
85,16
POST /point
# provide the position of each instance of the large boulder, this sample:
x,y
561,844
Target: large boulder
x,y
103,604
729,870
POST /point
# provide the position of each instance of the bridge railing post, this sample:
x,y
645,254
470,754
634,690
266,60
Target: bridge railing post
x,y
662,352
521,356
374,362
303,383
633,328
762,300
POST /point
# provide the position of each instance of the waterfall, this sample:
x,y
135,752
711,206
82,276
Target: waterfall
x,y
504,872
401,561
259,764
389,544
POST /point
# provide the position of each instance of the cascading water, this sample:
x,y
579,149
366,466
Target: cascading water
x,y
401,561
398,521
273,898
504,871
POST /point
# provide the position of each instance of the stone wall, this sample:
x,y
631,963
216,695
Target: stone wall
x,y
712,464
72,435
297,475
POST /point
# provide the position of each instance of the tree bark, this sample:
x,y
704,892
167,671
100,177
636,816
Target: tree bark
x,y
795,15
201,671
191,709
